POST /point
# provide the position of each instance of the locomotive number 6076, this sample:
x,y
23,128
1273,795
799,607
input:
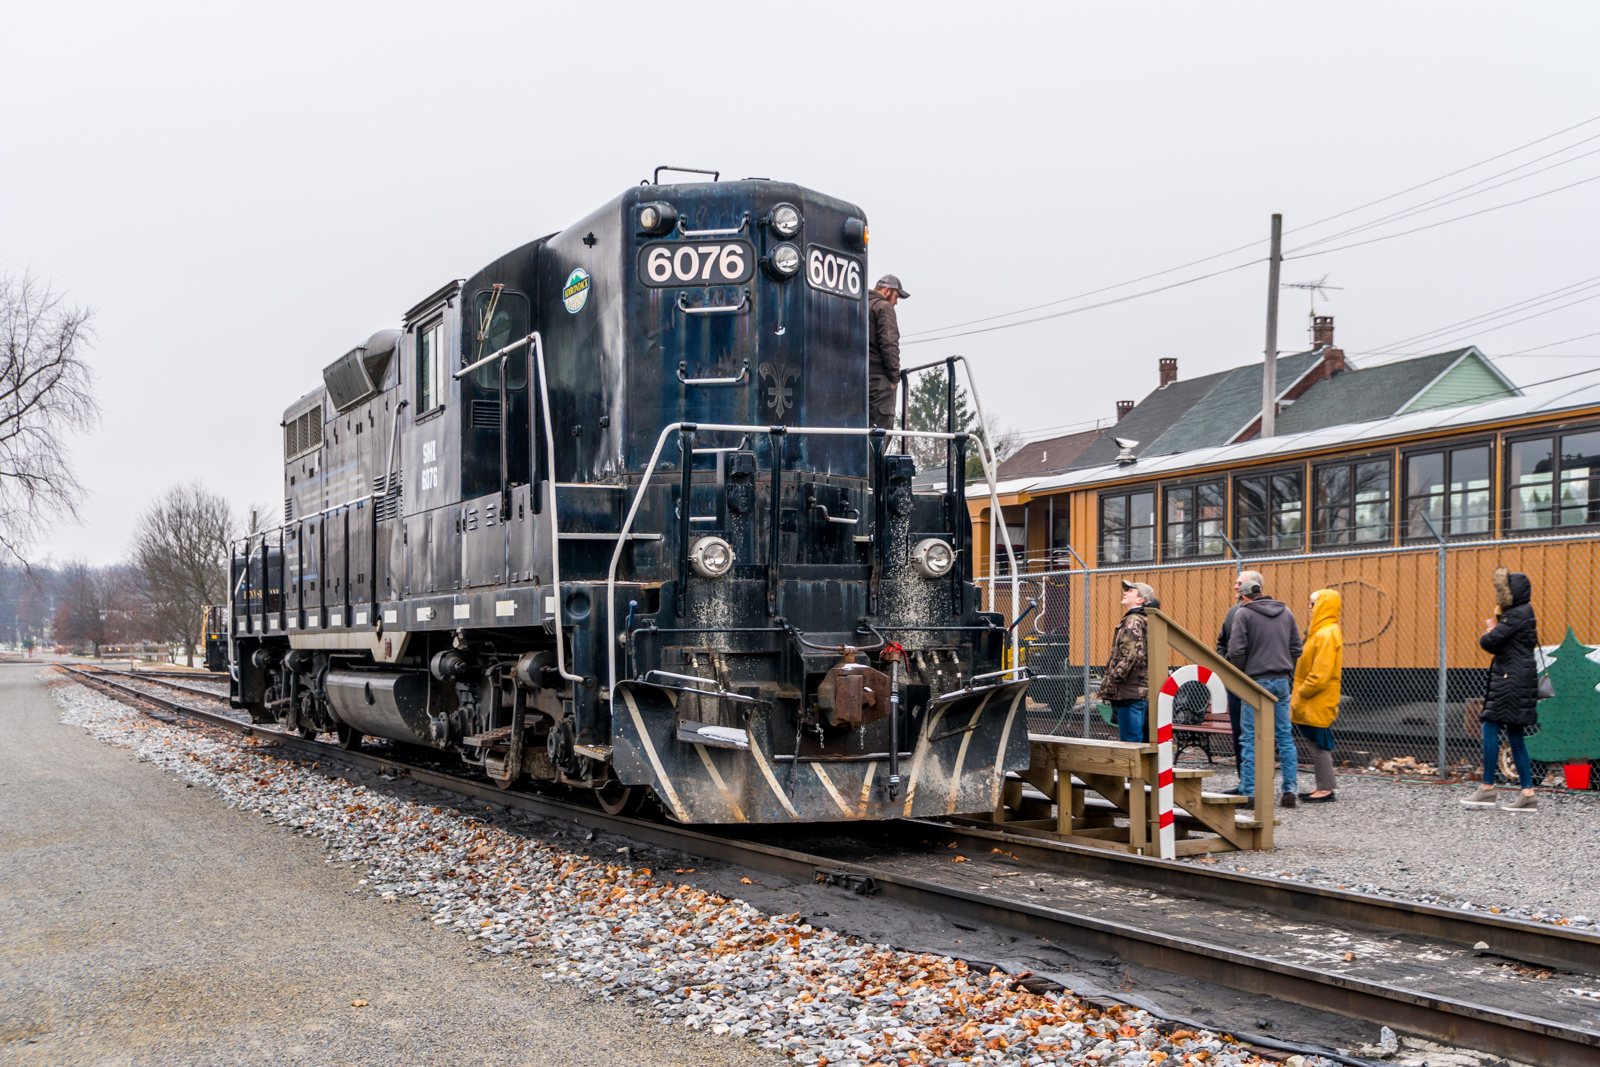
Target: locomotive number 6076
x,y
833,272
678,263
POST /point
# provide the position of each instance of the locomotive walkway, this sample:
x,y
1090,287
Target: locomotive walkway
x,y
142,922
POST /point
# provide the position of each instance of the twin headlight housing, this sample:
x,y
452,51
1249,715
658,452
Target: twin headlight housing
x,y
711,557
933,557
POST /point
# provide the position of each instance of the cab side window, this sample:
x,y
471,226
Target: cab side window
x,y
430,367
501,318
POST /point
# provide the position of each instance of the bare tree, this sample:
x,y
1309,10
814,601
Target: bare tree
x,y
95,607
45,392
180,554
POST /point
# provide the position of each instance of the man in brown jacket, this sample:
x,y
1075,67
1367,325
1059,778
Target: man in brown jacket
x,y
1125,686
883,350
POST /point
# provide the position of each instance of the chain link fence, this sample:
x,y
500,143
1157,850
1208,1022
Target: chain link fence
x,y
1414,674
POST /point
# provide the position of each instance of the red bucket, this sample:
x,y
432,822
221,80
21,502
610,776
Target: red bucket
x,y
1577,775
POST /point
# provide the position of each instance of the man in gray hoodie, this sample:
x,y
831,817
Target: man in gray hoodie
x,y
1264,642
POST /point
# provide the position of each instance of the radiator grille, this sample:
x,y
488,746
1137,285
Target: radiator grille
x,y
288,509
303,433
388,504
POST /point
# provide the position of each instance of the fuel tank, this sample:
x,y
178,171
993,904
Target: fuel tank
x,y
411,708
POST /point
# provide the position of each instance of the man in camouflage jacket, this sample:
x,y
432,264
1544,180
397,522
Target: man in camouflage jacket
x,y
1125,686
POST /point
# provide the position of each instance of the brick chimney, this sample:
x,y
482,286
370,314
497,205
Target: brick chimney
x,y
1169,371
1333,362
1123,407
1322,331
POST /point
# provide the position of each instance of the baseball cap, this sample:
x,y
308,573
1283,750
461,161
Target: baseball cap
x,y
1144,590
890,281
1249,587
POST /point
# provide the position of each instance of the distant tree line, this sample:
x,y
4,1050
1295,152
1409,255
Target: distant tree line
x,y
176,565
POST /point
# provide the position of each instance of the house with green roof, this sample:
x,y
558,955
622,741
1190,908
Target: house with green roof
x,y
1318,388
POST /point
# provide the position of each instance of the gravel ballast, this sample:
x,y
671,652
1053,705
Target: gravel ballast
x,y
1413,840
694,960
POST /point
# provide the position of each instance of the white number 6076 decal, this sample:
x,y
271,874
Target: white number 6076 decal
x,y
678,263
833,272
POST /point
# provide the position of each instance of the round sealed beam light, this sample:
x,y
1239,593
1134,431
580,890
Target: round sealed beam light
x,y
785,260
933,557
657,218
711,557
786,220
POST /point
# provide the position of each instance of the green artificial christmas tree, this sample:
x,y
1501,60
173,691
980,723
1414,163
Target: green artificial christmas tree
x,y
1569,722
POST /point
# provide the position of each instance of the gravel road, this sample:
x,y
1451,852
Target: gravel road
x,y
142,922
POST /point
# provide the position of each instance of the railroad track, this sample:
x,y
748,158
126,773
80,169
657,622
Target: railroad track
x,y
1526,1036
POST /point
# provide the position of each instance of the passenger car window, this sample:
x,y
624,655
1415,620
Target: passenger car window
x,y
1351,503
1450,490
1269,511
1555,481
1128,527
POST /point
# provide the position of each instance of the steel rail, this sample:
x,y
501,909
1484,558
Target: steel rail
x,y
1510,1034
1545,945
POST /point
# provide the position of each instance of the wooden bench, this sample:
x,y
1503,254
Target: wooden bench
x,y
1199,735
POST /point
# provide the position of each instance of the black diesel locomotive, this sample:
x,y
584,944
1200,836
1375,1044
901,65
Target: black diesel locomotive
x,y
608,515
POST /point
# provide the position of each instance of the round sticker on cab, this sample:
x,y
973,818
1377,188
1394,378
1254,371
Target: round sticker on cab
x,y
576,292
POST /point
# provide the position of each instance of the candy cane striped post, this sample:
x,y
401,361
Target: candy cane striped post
x,y
1190,672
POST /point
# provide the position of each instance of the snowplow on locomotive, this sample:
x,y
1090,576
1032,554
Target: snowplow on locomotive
x,y
609,515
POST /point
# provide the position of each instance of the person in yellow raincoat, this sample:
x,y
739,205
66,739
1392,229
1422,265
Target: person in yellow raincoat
x,y
1314,697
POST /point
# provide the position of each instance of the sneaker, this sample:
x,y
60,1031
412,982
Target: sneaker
x,y
1523,803
1286,800
1483,798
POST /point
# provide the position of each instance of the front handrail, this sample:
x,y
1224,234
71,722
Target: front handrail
x,y
655,459
738,379
555,528
836,518
714,309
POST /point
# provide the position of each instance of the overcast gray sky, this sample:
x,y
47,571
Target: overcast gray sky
x,y
243,194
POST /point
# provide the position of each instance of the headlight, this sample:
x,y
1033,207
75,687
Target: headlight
x,y
711,557
786,259
786,220
657,218
933,557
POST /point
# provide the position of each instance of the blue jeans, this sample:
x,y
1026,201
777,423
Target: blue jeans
x,y
1519,753
1131,720
1282,739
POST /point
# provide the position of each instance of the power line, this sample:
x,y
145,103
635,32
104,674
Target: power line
x,y
1513,322
1554,344
1443,222
1446,199
1488,316
1088,307
1251,244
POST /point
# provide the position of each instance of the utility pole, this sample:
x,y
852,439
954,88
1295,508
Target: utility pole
x,y
1269,370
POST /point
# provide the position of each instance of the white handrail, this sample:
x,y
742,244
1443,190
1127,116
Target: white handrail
x,y
555,528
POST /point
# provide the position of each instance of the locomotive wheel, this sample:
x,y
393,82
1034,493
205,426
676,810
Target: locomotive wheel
x,y
618,799
349,737
306,733
503,783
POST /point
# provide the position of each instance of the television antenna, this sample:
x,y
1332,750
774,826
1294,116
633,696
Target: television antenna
x,y
1314,289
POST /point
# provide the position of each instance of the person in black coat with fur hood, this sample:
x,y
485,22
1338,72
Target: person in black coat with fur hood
x,y
1511,703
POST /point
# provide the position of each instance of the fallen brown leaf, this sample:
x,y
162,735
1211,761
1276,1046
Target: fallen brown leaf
x,y
1349,957
358,1003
